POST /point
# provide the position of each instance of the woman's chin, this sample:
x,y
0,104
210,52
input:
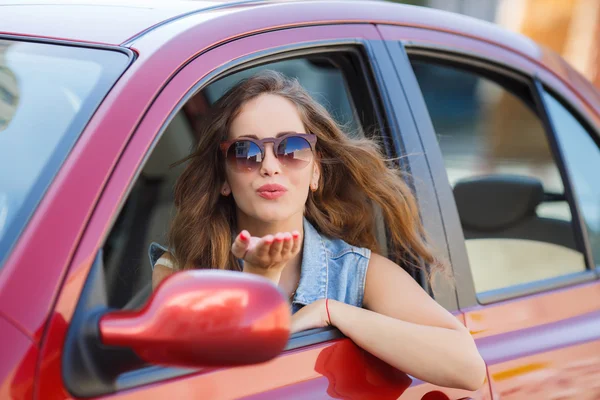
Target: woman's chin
x,y
271,216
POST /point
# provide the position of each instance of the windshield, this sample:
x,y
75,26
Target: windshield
x,y
47,95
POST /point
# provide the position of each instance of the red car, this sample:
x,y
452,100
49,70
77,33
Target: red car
x,y
97,100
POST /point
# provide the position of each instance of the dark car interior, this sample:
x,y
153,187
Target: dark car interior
x,y
508,242
504,206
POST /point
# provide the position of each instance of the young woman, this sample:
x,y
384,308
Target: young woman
x,y
275,188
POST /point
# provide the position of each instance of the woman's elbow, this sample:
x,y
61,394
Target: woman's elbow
x,y
472,376
475,373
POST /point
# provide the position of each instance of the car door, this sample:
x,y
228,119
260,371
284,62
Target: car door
x,y
316,364
129,206
520,210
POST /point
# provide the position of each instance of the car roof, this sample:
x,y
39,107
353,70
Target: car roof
x,y
96,21
118,21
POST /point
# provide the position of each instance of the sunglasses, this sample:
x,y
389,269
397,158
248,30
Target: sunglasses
x,y
293,150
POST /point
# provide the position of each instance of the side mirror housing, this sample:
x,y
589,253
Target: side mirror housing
x,y
204,318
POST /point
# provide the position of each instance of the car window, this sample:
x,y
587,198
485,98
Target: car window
x,y
320,78
47,95
149,208
582,158
507,187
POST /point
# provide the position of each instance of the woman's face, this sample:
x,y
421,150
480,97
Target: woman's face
x,y
263,117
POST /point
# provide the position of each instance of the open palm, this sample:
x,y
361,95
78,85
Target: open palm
x,y
268,252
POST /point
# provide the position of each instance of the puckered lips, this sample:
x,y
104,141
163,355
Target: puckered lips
x,y
271,191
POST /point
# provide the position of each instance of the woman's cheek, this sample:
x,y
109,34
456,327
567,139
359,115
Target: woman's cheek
x,y
301,189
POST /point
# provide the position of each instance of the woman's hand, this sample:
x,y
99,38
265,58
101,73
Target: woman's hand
x,y
312,316
268,255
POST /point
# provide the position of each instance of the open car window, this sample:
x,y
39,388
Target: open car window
x,y
148,211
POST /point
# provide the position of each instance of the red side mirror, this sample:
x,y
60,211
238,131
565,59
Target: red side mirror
x,y
204,318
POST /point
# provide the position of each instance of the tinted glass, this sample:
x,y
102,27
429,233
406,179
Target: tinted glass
x,y
244,156
507,187
295,152
582,157
47,95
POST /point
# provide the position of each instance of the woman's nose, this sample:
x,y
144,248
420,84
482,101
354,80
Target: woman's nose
x,y
270,165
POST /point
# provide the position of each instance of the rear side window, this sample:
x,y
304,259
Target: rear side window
x,y
47,95
508,189
582,156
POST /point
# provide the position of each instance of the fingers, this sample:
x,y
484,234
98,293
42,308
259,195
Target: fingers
x,y
263,246
275,250
296,242
285,244
240,244
288,243
268,250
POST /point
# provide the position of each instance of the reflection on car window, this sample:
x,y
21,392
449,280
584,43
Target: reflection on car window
x,y
507,187
47,94
582,157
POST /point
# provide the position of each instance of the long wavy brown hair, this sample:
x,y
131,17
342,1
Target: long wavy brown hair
x,y
354,176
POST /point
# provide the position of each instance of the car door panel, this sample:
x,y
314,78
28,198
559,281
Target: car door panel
x,y
326,370
19,352
544,342
332,370
320,364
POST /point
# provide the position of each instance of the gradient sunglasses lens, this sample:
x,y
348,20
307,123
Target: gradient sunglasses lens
x,y
244,156
294,152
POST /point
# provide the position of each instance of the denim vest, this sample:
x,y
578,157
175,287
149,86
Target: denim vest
x,y
331,269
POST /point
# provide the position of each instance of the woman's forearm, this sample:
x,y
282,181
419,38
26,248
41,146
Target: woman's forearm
x,y
442,356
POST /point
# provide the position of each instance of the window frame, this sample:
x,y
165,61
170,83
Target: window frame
x,y
592,132
371,79
487,67
410,140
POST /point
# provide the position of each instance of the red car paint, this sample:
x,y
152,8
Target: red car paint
x,y
44,275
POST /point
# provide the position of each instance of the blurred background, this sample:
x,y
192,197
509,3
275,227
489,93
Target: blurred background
x,y
569,27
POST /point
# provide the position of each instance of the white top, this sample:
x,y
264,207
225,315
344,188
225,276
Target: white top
x,y
164,261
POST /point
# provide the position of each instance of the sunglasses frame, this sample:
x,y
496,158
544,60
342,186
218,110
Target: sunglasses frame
x,y
309,137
